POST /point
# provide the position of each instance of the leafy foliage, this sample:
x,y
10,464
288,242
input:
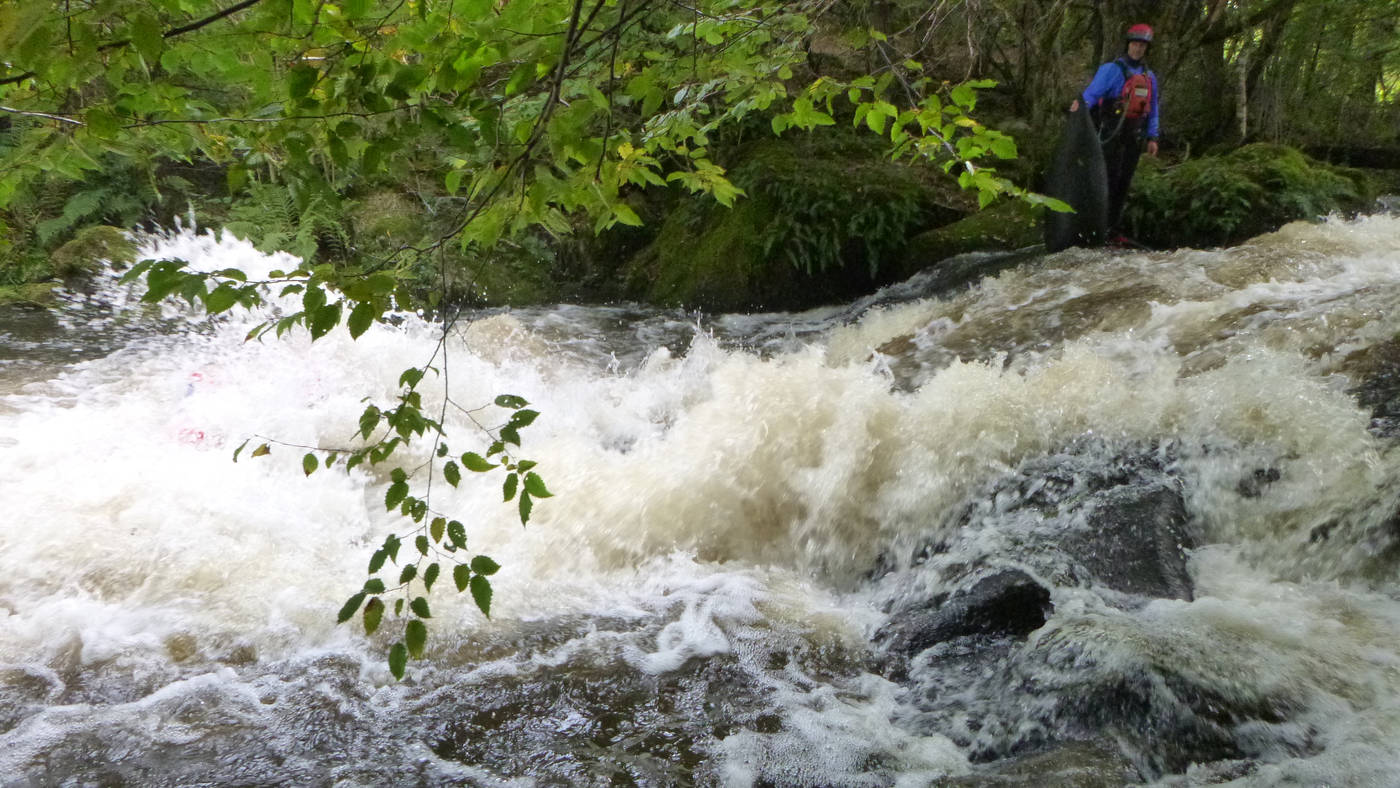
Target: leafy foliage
x,y
1219,200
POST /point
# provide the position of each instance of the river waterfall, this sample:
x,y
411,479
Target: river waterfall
x,y
1097,518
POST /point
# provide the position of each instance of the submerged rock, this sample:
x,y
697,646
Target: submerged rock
x,y
1009,603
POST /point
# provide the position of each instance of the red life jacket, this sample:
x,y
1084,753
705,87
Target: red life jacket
x,y
1135,100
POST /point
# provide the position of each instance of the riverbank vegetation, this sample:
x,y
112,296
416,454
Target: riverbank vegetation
x,y
486,141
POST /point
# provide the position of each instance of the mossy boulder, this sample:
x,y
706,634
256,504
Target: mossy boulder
x,y
1226,199
1006,226
387,219
37,293
823,219
81,257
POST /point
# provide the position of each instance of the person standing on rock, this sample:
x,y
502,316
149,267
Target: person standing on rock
x,y
1123,99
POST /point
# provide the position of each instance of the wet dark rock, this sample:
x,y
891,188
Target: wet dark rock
x,y
1257,482
1008,603
1078,764
1134,539
1376,371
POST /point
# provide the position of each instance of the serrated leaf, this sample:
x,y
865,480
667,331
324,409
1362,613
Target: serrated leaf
x,y
376,561
524,418
395,495
374,586
415,636
509,486
421,542
481,594
324,319
452,473
457,533
461,576
419,606
510,435
398,607
262,450
430,576
309,464
526,505
300,80
535,486
361,318
369,420
398,660
483,565
476,463
348,609
436,528
374,613
511,401
408,572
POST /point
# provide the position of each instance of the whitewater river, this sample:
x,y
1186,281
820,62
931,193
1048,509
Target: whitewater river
x,y
745,508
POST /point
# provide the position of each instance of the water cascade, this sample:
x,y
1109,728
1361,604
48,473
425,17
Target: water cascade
x,y
1113,518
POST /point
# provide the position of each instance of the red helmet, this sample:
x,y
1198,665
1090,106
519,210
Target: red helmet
x,y
1140,32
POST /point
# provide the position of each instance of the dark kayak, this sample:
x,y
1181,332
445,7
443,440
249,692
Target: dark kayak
x,y
1077,175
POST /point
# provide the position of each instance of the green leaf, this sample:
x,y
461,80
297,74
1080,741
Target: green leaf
x,y
511,401
419,606
374,586
262,450
369,420
526,505
510,434
457,533
146,36
481,594
421,542
461,576
324,319
348,609
395,495
309,464
361,318
430,576
376,561
476,463
535,486
483,565
239,450
436,528
374,612
524,418
415,635
398,660
452,473
508,488
408,572
300,80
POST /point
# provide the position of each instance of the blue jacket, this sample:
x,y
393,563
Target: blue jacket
x,y
1108,86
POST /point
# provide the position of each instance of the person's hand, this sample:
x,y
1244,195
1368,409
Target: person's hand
x,y
1152,147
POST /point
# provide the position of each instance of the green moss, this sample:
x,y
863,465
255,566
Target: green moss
x,y
39,293
1226,199
387,218
82,256
825,217
1006,226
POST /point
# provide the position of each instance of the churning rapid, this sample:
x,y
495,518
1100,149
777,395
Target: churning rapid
x,y
1097,519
